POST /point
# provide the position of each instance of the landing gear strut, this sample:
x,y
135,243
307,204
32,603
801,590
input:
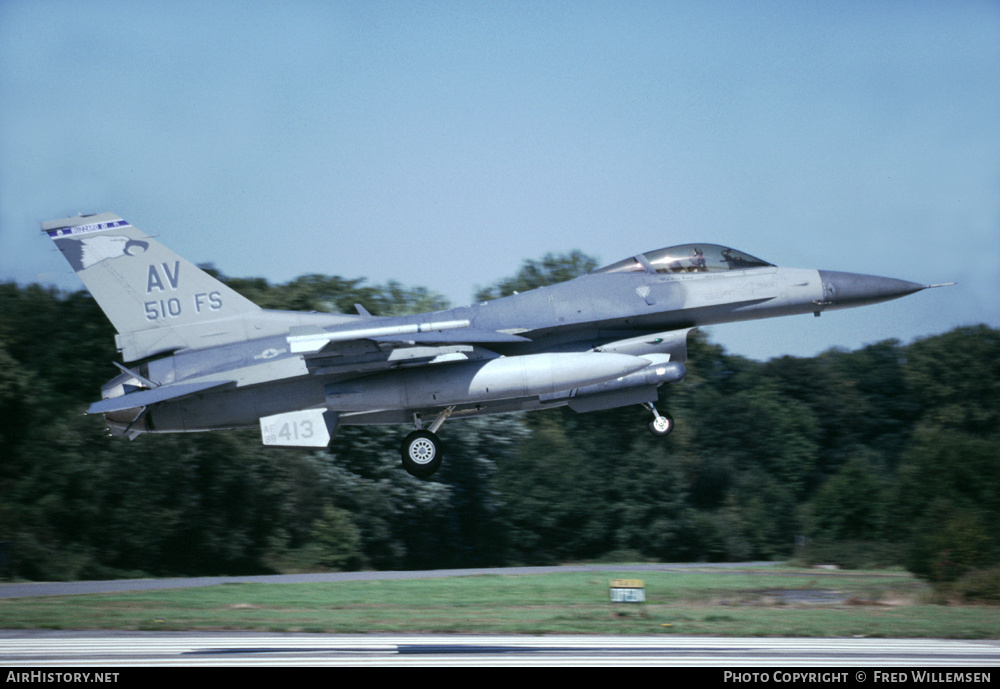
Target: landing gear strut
x,y
421,450
661,424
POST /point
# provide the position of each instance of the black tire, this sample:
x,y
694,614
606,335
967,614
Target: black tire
x,y
661,427
422,454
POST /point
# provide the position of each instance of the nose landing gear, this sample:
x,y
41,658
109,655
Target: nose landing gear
x,y
662,424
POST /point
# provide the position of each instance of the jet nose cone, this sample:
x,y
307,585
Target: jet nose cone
x,y
853,289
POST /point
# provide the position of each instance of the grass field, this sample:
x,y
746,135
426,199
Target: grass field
x,y
759,602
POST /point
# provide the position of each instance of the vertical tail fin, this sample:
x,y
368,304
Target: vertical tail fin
x,y
157,301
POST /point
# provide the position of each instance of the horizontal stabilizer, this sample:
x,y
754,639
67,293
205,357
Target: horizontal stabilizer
x,y
144,398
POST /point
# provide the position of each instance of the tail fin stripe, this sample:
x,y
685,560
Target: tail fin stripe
x,y
83,229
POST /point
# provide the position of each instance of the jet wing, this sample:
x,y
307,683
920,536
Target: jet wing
x,y
144,398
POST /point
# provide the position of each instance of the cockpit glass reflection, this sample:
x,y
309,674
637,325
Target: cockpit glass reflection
x,y
689,258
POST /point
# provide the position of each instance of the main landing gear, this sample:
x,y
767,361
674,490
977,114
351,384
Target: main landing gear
x,y
421,450
661,424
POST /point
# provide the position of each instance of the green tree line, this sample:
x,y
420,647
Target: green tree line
x,y
885,455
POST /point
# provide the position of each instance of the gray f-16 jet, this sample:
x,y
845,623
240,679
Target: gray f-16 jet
x,y
211,359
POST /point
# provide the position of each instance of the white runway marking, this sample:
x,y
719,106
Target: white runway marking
x,y
134,649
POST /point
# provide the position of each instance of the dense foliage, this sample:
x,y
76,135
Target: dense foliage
x,y
884,455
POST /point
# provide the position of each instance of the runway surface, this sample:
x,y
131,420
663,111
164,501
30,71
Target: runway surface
x,y
136,649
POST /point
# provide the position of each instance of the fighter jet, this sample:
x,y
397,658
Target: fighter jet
x,y
209,358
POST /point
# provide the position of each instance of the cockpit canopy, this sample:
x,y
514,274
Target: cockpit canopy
x,y
687,258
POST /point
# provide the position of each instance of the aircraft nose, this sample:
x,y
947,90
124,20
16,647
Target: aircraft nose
x,y
853,289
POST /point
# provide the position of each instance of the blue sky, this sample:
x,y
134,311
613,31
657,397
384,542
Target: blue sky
x,y
442,143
